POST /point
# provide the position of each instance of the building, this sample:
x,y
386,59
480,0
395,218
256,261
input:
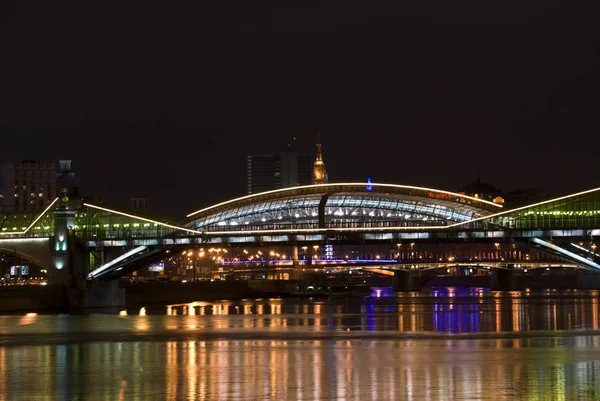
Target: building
x,y
319,175
67,182
28,185
261,173
294,169
483,190
32,185
138,203
285,169
523,196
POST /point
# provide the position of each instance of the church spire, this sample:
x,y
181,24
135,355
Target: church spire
x,y
319,173
319,151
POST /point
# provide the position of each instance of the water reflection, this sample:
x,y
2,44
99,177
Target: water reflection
x,y
418,346
484,369
446,310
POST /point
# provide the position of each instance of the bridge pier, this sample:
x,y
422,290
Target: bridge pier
x,y
406,280
71,267
588,280
507,280
102,294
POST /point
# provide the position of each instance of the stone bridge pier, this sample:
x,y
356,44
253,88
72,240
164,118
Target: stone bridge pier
x,y
70,268
406,280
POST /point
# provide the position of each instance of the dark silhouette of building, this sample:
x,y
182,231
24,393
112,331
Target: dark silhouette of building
x,y
288,168
523,196
483,190
67,182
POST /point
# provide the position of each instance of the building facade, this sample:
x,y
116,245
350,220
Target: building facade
x,y
32,185
281,170
28,185
67,182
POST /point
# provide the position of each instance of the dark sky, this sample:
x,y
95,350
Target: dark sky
x,y
166,98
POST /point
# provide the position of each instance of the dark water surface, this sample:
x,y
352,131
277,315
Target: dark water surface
x,y
445,344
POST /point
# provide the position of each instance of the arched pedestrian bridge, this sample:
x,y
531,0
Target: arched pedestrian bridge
x,y
341,207
113,240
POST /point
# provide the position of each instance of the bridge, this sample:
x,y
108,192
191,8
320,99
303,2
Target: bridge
x,y
83,243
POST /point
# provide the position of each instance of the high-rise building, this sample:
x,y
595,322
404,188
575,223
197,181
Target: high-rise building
x,y
319,175
28,185
294,169
261,173
287,168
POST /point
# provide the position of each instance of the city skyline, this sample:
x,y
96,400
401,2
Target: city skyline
x,y
437,95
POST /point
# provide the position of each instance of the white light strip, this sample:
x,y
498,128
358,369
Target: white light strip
x,y
583,249
143,219
320,230
291,189
116,260
32,224
567,253
23,240
525,207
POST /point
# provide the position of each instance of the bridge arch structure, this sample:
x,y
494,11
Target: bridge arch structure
x,y
346,206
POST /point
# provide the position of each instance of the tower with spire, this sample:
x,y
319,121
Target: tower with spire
x,y
319,173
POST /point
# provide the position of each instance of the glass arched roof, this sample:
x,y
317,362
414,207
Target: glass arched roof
x,y
351,205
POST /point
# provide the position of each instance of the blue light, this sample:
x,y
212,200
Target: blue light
x,y
369,186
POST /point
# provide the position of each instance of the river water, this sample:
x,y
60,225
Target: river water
x,y
443,344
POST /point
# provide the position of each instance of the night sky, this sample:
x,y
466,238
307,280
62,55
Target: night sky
x,y
165,99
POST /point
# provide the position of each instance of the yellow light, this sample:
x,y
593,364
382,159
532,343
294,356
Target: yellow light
x,y
34,221
525,207
142,218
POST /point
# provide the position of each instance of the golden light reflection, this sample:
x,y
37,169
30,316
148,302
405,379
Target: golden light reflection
x,y
595,313
171,368
192,370
29,318
517,317
498,315
348,369
275,308
122,390
3,374
142,323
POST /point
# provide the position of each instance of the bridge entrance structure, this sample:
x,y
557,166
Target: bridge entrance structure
x,y
83,244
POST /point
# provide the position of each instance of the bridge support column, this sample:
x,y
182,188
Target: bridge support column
x,y
507,280
103,294
71,269
309,259
295,256
588,280
406,280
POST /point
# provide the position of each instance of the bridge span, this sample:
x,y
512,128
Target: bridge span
x,y
83,244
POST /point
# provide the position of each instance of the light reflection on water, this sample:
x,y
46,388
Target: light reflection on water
x,y
483,369
438,345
